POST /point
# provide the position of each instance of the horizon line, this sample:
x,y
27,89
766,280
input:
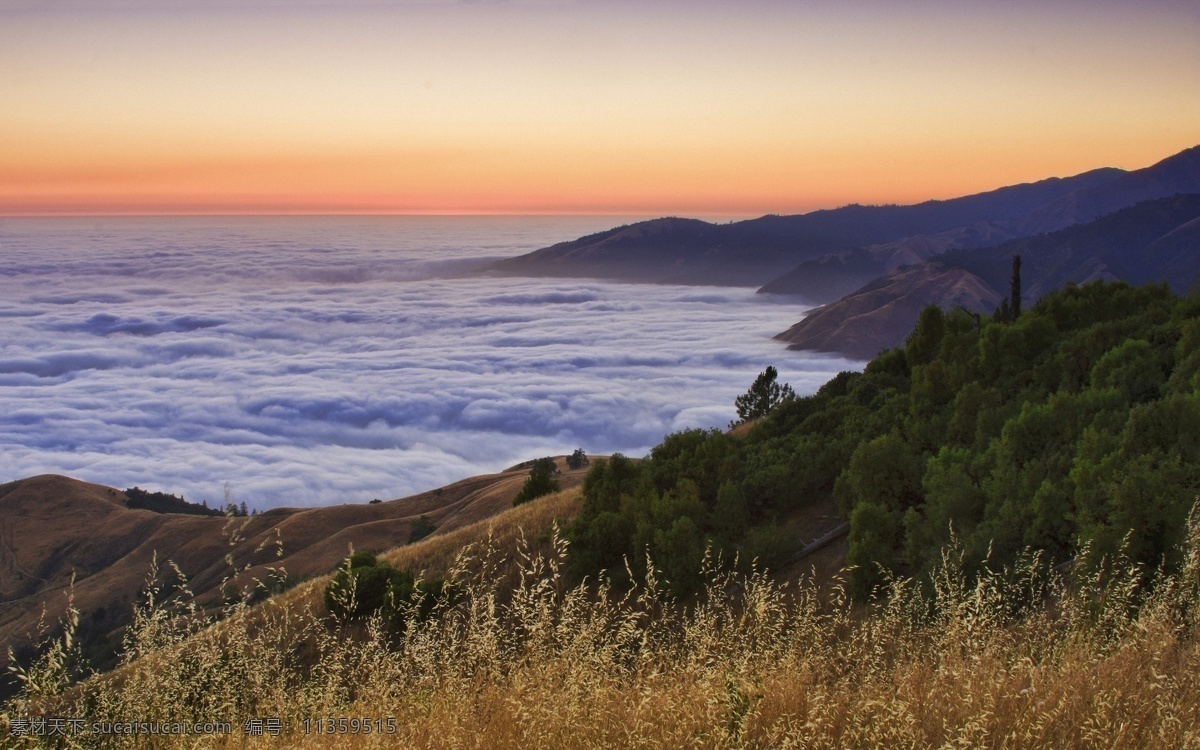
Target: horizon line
x,y
334,213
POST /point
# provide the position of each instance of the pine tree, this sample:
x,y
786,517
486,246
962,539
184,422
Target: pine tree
x,y
764,395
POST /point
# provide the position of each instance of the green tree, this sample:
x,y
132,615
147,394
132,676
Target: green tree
x,y
874,536
922,344
678,550
1076,420
600,544
1133,369
540,482
884,471
952,497
1014,292
764,395
729,516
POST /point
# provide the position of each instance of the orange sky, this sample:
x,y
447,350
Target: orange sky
x,y
700,108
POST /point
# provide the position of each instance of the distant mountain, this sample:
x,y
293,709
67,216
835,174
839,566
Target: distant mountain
x,y
1175,175
53,529
1154,241
679,251
831,276
1091,196
822,255
753,252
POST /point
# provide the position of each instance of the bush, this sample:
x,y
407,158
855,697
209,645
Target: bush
x,y
363,586
422,528
1076,424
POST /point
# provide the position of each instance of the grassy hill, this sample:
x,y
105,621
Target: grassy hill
x,y
55,530
518,657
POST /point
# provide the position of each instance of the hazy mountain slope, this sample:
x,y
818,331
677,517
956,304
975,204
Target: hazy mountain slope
x,y
1105,192
677,251
831,276
824,254
1173,255
1155,241
52,527
882,313
1172,176
752,252
1118,245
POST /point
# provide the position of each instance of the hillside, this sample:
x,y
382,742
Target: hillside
x,y
1075,426
1172,176
879,315
1154,241
832,276
681,251
54,527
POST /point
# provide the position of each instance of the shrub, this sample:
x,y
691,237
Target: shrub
x,y
422,528
364,586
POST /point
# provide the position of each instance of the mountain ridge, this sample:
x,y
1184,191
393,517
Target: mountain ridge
x,y
1101,193
1153,241
823,255
756,251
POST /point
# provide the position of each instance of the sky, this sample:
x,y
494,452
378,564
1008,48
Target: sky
x,y
708,107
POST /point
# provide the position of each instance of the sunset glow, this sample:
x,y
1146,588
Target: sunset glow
x,y
588,107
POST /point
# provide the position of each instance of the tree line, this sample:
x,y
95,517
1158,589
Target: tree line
x,y
1075,422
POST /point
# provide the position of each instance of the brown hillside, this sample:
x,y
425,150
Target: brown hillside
x,y
53,526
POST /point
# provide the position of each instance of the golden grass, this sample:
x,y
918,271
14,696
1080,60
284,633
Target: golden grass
x,y
62,529
1022,658
435,556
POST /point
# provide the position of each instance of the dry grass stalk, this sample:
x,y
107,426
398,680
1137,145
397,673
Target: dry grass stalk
x,y
1020,658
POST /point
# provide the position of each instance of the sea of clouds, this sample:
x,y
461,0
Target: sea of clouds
x,y
309,361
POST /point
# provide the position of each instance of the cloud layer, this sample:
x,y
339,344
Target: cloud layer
x,y
312,361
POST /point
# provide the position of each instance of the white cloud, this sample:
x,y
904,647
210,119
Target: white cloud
x,y
301,379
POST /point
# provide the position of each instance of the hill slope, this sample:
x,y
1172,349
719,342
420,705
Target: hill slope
x,y
1076,424
54,527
